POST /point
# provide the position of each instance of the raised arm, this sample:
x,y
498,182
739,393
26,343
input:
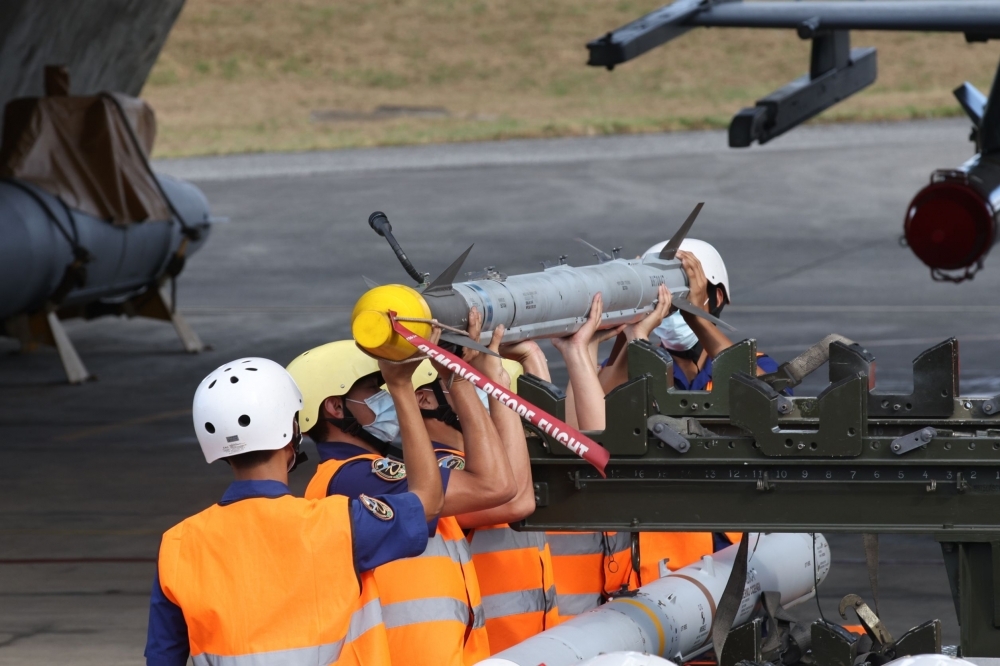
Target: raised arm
x,y
422,473
486,481
616,372
711,338
511,432
584,396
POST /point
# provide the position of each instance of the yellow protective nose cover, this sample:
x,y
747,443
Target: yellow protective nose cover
x,y
370,323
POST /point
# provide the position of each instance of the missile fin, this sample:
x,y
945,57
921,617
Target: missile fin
x,y
601,255
684,305
670,249
442,283
371,284
464,341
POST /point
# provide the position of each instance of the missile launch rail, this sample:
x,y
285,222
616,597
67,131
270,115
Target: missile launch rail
x,y
745,456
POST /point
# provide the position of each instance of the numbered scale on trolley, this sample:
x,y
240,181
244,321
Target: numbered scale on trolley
x,y
750,455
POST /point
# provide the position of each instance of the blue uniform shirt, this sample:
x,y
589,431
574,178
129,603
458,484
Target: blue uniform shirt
x,y
704,376
376,542
359,476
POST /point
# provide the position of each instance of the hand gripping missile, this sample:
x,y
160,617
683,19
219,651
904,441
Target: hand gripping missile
x,y
550,303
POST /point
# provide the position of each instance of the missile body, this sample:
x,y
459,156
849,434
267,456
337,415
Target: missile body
x,y
124,260
673,616
555,302
552,303
546,304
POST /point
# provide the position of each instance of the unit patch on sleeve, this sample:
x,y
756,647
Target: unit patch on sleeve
x,y
452,461
379,509
388,469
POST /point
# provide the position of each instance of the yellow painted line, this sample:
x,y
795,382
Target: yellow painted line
x,y
652,616
100,430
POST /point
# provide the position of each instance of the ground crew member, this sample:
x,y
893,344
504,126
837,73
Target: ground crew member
x,y
266,578
515,601
589,567
514,568
692,341
431,603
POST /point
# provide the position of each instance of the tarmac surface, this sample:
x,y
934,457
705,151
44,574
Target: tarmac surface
x,y
91,475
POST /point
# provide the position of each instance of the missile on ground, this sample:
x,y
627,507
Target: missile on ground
x,y
89,229
672,617
550,303
123,260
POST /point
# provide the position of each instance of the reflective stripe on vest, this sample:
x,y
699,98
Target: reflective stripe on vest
x,y
309,656
439,609
589,567
430,603
517,584
521,601
364,619
209,565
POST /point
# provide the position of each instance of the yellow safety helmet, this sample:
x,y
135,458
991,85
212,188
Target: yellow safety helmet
x,y
328,370
427,373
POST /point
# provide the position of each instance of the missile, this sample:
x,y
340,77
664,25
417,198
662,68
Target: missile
x,y
39,239
672,617
550,303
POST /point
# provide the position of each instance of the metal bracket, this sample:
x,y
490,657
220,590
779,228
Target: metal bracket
x,y
664,429
625,433
549,397
645,359
991,406
843,418
914,440
744,643
935,380
836,71
869,620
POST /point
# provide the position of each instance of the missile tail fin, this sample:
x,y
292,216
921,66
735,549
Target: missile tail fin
x,y
670,249
442,283
464,341
601,255
371,284
684,305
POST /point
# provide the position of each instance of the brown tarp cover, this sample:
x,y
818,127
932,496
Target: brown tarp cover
x,y
80,150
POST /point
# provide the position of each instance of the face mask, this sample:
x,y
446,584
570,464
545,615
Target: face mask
x,y
385,427
675,334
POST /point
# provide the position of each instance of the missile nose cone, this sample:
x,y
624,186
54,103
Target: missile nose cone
x,y
372,329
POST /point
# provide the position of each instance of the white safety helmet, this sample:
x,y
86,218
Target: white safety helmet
x,y
246,405
711,260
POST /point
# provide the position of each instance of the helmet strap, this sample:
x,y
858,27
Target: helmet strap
x,y
692,354
300,455
715,303
350,426
443,412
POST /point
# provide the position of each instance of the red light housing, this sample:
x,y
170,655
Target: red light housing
x,y
950,226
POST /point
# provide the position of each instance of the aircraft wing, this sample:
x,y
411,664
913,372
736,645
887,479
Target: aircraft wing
x,y
978,19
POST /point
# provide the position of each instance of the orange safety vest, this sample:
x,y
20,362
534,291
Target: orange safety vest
x,y
679,548
430,603
272,581
517,583
589,567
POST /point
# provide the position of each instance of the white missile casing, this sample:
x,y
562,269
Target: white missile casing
x,y
672,617
555,302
